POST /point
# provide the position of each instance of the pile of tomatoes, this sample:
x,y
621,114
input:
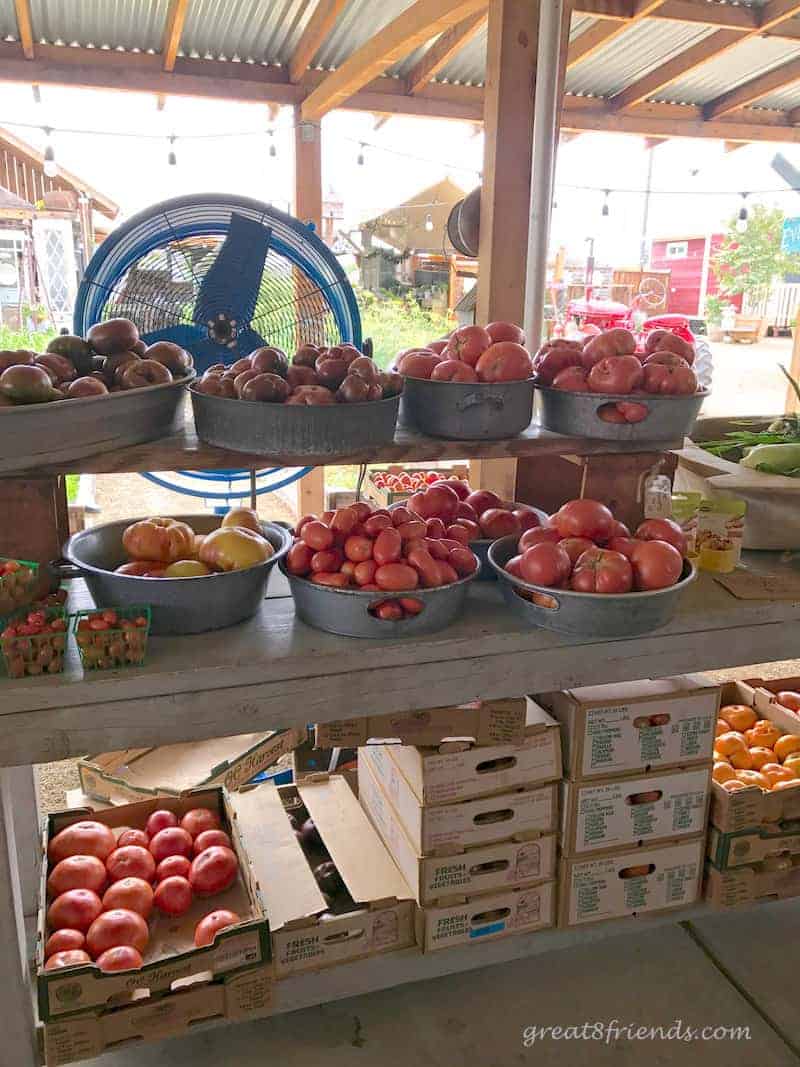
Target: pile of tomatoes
x,y
17,583
107,640
584,548
451,509
496,353
104,888
749,751
406,482
34,644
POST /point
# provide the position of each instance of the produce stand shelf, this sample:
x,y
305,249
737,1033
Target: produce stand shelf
x,y
183,451
275,671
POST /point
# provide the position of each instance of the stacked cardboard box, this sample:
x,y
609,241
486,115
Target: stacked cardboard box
x,y
754,837
471,826
634,803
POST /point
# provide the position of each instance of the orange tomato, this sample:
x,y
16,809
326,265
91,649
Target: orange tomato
x,y
723,772
742,760
786,746
721,727
759,756
793,762
794,783
753,778
730,742
774,773
738,716
764,734
733,785
719,757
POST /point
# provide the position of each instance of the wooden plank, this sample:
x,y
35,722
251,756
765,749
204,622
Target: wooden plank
x,y
727,16
275,671
319,26
792,403
38,529
718,43
22,9
753,90
415,26
308,171
443,50
775,12
311,493
176,20
618,10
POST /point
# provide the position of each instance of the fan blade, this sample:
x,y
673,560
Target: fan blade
x,y
187,336
205,352
248,340
230,287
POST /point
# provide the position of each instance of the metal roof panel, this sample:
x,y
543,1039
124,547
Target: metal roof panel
x,y
359,21
128,24
740,64
264,31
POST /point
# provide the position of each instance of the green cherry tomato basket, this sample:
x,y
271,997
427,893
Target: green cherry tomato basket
x,y
106,644
18,588
29,655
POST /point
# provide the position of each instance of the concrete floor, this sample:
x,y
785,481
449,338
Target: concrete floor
x,y
731,971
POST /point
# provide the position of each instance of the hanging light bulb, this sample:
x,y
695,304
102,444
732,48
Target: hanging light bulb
x,y
604,211
741,222
360,159
172,159
273,151
37,93
50,167
429,222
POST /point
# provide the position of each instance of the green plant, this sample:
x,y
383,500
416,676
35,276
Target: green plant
x,y
35,340
713,310
750,262
396,322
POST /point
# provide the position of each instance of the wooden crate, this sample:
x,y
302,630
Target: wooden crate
x,y
384,498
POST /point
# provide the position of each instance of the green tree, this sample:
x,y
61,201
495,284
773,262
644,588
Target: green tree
x,y
752,261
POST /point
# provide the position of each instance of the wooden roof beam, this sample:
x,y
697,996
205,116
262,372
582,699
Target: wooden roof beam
x,y
25,27
442,51
604,32
415,26
176,20
318,28
753,90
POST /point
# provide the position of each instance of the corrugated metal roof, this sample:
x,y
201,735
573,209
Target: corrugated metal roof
x,y
467,67
8,21
633,54
783,99
126,24
259,30
580,23
359,21
745,61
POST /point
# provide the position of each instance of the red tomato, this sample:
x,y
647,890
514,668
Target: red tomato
x,y
463,561
632,411
388,610
584,518
327,561
483,499
208,838
513,566
211,924
343,521
133,837
318,536
434,528
410,531
576,546
458,485
663,530
437,502
174,841
117,927
174,895
669,381
540,535
364,573
362,510
598,570
400,515
120,958
396,577
656,565
213,871
625,545
388,547
545,564
348,568
527,518
410,605
63,941
132,893
298,530
72,958
616,374
335,579
171,866
133,861
611,413
298,559
160,820
619,529
550,363
376,523
447,573
788,698
572,380
474,532
666,359
459,533
437,548
426,566
85,838
466,511
76,909
77,872
497,522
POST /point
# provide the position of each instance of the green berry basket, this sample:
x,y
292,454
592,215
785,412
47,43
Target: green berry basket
x,y
34,642
18,578
110,638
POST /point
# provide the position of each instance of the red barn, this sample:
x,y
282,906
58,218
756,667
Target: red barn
x,y
691,278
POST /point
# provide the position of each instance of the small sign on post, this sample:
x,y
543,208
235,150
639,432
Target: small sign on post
x,y
790,236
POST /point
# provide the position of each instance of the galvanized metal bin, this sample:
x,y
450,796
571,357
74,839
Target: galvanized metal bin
x,y
467,411
178,605
34,435
586,614
670,418
346,611
293,429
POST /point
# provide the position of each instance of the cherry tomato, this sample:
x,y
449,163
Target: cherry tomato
x,y
174,841
160,820
171,866
85,838
77,872
213,870
133,837
76,909
358,549
365,572
65,940
211,924
335,579
298,559
396,577
656,565
318,536
117,927
120,958
72,958
133,861
132,893
388,547
173,896
208,838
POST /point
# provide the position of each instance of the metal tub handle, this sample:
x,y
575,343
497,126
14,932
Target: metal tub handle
x,y
63,570
545,601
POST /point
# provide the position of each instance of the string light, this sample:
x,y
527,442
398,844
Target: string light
x,y
273,151
50,166
172,159
360,158
37,93
604,212
429,222
741,222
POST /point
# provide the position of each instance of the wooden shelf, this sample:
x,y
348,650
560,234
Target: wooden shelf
x,y
183,451
275,671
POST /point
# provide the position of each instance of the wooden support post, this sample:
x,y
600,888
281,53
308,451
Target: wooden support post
x,y
311,493
40,523
794,369
618,481
307,171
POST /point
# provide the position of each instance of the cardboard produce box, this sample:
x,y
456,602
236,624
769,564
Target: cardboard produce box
x,y
487,722
645,809
486,918
634,727
764,695
239,997
745,847
135,773
753,807
458,873
384,498
171,955
467,823
446,777
776,878
375,911
638,881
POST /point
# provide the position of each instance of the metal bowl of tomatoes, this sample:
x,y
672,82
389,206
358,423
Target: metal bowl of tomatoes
x,y
586,614
618,417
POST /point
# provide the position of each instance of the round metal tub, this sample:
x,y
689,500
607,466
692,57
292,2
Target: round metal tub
x,y
346,611
293,429
669,418
178,605
33,435
467,411
586,614
481,550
